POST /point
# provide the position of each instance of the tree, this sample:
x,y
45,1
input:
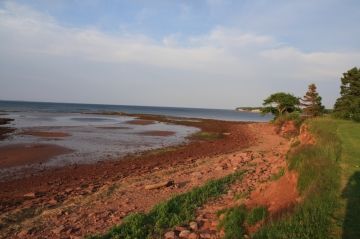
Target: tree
x,y
311,102
348,105
280,103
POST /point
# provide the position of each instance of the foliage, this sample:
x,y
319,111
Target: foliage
x,y
318,182
348,105
233,222
177,210
256,215
280,103
311,103
278,175
294,116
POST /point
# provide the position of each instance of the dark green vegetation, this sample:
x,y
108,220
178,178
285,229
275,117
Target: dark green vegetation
x,y
234,220
204,135
311,103
179,209
257,214
348,105
280,103
278,175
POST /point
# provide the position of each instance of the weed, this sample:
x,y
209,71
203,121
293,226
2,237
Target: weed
x,y
278,175
256,215
179,209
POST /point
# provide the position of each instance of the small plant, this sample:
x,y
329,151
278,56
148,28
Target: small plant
x,y
256,215
209,136
278,175
233,222
179,209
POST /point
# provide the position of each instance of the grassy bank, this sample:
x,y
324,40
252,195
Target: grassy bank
x,y
329,182
178,210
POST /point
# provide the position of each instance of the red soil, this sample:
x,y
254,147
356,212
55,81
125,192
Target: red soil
x,y
21,154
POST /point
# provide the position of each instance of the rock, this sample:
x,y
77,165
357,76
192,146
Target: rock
x,y
23,233
184,234
58,230
52,202
30,195
170,235
160,185
205,235
193,236
180,228
193,226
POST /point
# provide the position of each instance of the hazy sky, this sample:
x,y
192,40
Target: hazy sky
x,y
214,53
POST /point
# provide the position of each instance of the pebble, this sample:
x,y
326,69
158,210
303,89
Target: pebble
x,y
184,234
170,235
193,226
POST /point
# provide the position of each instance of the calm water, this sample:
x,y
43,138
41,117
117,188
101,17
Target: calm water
x,y
95,137
219,114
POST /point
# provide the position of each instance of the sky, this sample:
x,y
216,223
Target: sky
x,y
203,53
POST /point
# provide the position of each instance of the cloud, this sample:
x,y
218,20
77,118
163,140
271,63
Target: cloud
x,y
227,58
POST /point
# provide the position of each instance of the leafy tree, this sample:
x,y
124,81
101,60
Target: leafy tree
x,y
311,102
280,103
348,105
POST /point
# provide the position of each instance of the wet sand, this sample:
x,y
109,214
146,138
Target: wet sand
x,y
140,122
157,133
45,134
23,154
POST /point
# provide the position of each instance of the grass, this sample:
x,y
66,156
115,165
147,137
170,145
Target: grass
x,y
234,220
278,175
329,182
349,212
319,184
178,210
256,215
208,136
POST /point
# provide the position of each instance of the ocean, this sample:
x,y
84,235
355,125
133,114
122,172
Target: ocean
x,y
218,114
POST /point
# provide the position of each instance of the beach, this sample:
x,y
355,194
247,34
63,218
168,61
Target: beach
x,y
76,200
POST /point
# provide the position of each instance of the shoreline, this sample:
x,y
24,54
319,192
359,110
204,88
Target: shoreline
x,y
55,188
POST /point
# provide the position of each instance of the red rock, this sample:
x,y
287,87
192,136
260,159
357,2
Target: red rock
x,y
30,195
184,234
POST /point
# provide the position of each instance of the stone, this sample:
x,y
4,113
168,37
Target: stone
x,y
58,230
184,234
170,235
194,226
193,236
30,195
160,185
205,235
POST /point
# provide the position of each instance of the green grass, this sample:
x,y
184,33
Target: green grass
x,y
278,175
318,183
208,136
349,213
178,210
256,215
233,222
